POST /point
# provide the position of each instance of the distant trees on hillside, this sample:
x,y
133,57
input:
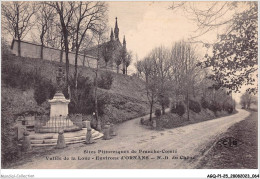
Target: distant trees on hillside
x,y
247,99
174,74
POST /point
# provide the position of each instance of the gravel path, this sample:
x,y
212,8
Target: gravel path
x,y
184,145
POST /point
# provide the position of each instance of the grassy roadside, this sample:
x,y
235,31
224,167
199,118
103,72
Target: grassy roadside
x,y
243,156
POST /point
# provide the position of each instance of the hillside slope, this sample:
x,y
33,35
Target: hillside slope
x,y
127,94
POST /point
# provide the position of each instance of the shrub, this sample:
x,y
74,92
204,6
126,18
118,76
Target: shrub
x,y
43,90
204,103
215,106
158,113
142,121
179,109
228,107
105,81
83,101
194,106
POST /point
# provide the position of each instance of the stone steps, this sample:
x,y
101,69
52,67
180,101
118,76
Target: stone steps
x,y
51,140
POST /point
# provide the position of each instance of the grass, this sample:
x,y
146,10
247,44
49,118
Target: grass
x,y
171,120
244,156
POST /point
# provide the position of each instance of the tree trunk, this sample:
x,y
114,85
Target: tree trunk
x,y
188,104
19,47
61,55
117,68
126,70
76,69
96,101
123,68
151,109
163,109
67,64
42,51
84,60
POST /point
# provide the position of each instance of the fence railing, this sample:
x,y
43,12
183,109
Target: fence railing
x,y
54,124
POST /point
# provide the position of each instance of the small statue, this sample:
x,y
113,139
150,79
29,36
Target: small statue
x,y
60,79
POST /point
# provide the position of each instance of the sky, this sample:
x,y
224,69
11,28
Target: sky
x,y
147,25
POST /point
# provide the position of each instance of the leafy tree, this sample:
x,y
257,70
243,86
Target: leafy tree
x,y
234,59
247,99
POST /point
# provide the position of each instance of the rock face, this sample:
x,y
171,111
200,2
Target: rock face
x,y
61,141
26,144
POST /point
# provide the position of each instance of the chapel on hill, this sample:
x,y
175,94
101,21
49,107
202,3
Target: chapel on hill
x,y
111,52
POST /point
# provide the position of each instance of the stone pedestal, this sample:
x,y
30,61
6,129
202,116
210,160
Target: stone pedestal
x,y
106,132
112,130
59,111
89,139
61,141
59,105
26,144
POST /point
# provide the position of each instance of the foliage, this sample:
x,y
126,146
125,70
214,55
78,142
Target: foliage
x,y
44,90
9,143
194,106
158,113
82,99
178,109
234,59
13,76
215,106
204,103
228,107
105,81
247,99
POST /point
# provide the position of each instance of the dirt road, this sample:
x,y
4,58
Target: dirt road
x,y
183,144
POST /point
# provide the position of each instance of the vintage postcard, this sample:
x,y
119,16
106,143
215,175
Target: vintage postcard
x,y
129,85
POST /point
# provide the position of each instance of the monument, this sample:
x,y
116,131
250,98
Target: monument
x,y
59,109
59,104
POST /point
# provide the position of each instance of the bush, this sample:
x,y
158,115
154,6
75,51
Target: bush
x,y
83,102
194,106
228,107
179,109
158,113
43,90
215,106
204,103
105,81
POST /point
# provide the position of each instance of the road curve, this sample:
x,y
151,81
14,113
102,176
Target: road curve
x,y
187,140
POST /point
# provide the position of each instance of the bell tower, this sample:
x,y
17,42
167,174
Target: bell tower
x,y
116,31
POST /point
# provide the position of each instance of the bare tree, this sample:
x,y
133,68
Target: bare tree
x,y
162,65
117,56
184,71
17,19
210,16
139,68
149,74
99,35
65,11
129,58
87,17
45,19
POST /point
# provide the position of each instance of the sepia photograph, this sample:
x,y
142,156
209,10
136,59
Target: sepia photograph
x,y
129,85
